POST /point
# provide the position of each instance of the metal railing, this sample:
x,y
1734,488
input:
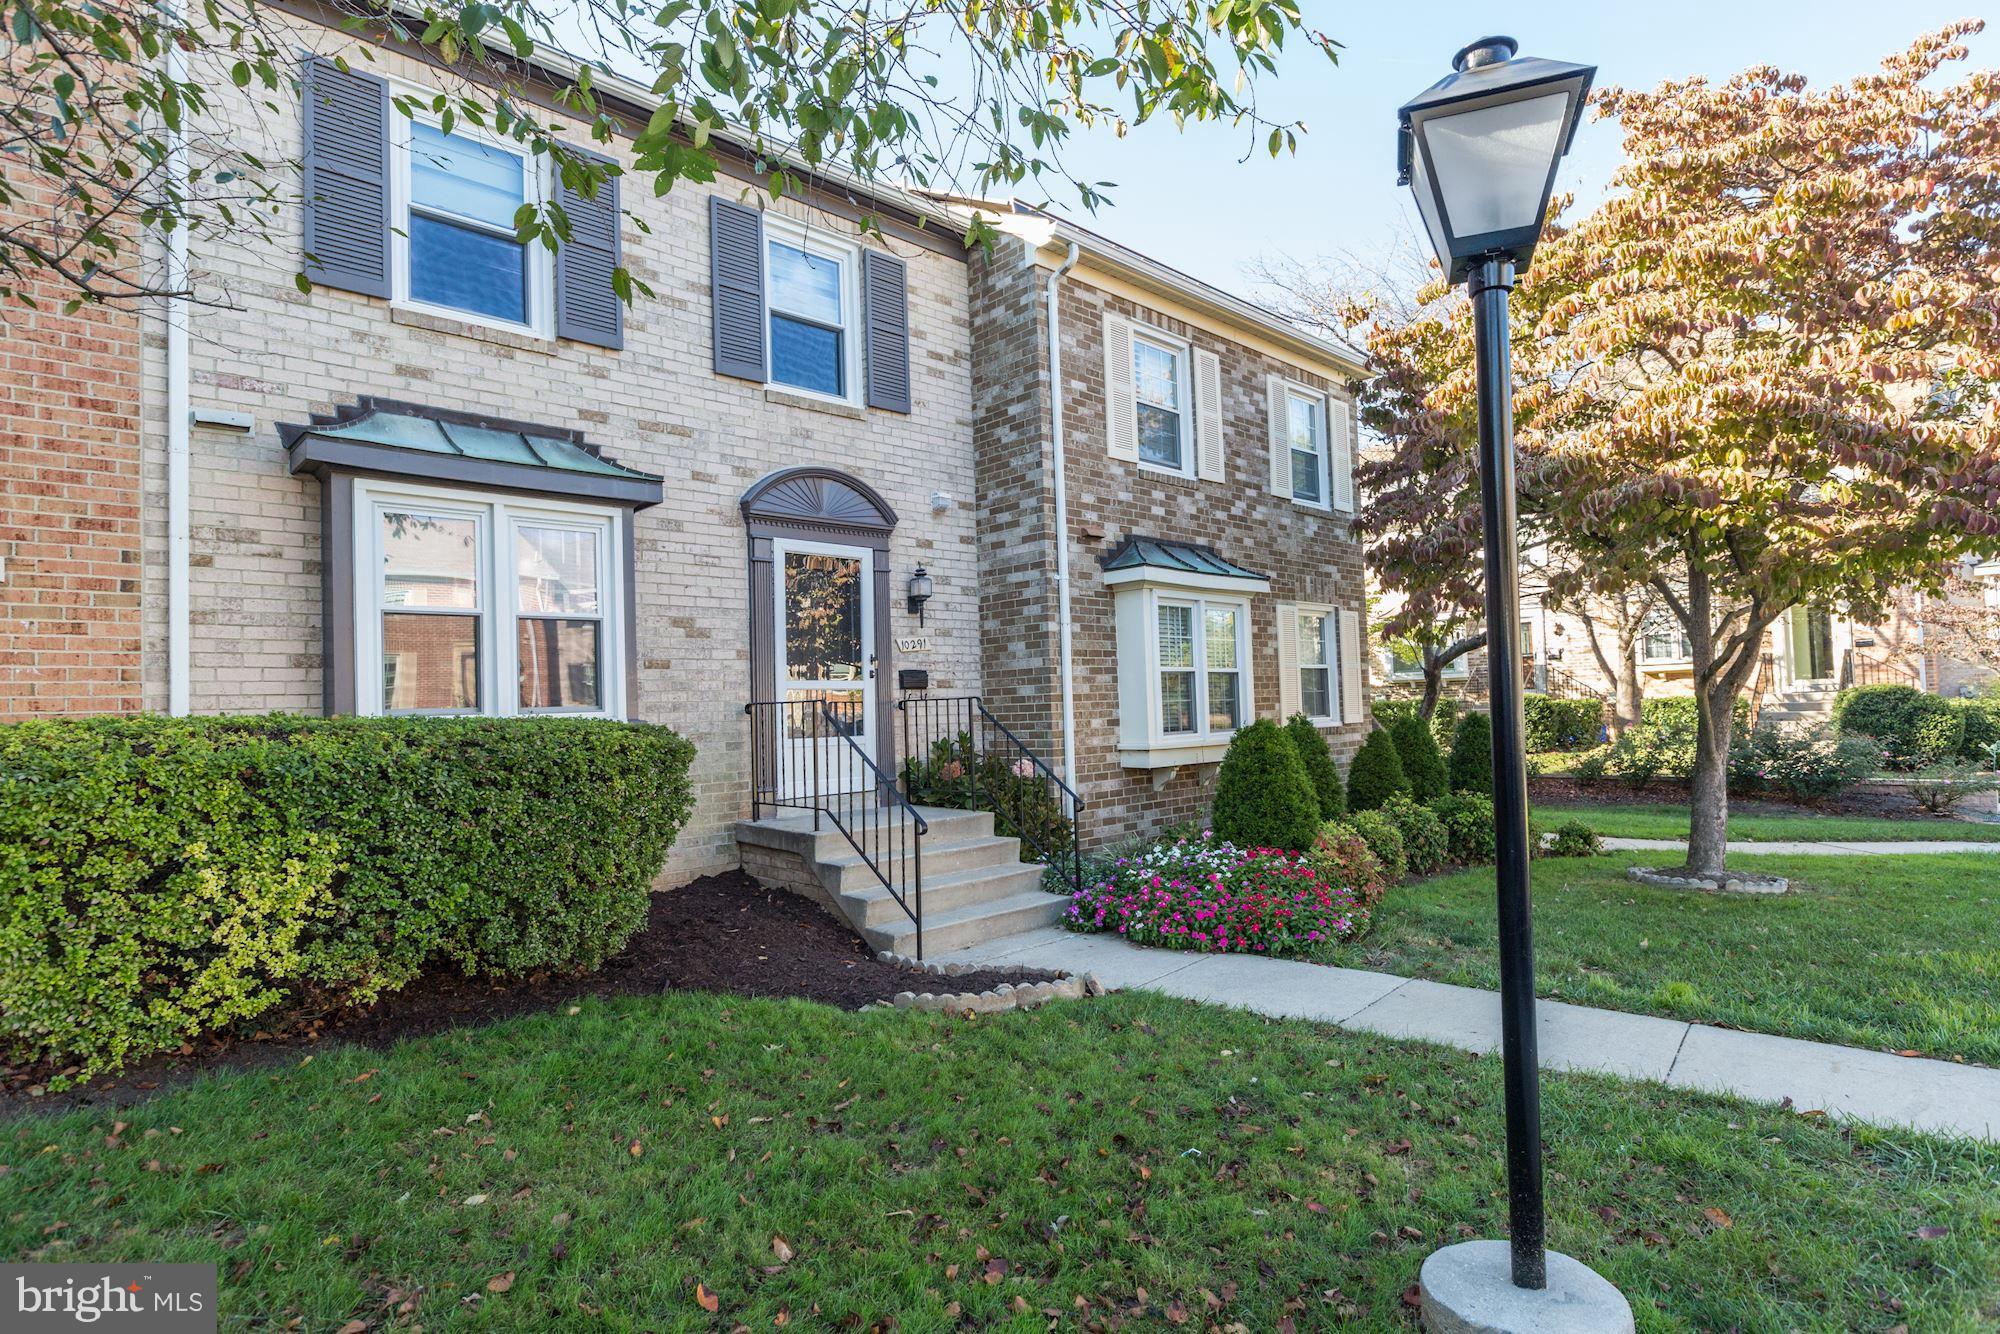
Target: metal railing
x,y
1856,670
809,755
957,754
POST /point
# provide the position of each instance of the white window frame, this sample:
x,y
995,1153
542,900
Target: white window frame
x,y
1674,629
781,230
1455,670
1183,354
1201,605
1295,390
498,597
535,185
1329,645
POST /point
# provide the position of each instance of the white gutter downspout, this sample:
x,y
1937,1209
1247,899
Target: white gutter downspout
x,y
1061,521
179,417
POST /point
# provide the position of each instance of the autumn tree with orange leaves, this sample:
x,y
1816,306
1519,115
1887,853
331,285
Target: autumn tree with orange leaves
x,y
1728,375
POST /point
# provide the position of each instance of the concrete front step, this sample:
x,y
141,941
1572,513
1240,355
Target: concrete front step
x,y
792,830
873,905
962,928
850,870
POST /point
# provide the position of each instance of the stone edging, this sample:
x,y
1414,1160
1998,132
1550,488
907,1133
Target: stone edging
x,y
1731,882
1006,996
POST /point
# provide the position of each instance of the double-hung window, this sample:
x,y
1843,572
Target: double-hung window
x,y
1306,424
474,604
813,303
1661,639
455,241
1201,656
1160,384
1319,650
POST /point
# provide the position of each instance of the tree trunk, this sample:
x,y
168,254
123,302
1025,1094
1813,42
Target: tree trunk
x,y
1708,788
1433,687
1629,705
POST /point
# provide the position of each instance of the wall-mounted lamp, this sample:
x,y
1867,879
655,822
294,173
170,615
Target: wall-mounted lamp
x,y
920,592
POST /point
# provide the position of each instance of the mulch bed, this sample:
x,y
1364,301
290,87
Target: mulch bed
x,y
1556,790
722,933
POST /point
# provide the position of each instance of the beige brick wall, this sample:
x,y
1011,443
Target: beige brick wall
x,y
69,499
655,405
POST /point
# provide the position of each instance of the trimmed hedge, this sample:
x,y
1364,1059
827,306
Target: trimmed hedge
x,y
1915,729
1468,827
1264,798
1560,724
1376,773
1471,766
1310,742
1426,844
1982,728
1423,767
1683,711
166,878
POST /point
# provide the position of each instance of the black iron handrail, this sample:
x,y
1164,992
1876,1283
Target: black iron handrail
x,y
791,767
957,754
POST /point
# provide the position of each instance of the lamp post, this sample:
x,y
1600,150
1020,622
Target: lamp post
x,y
1480,149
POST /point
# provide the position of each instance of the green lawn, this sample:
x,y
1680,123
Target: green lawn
x,y
1898,953
1665,821
1123,1161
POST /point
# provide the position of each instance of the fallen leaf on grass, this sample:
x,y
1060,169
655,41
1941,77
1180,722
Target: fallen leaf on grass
x,y
354,1327
1717,1218
705,1299
782,1249
1932,1233
635,1148
500,1282
475,1199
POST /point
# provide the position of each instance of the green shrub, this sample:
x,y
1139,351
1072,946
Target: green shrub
x,y
1592,767
1981,721
1423,767
1684,710
1444,722
1383,838
1025,801
1468,827
1310,742
1560,724
1471,768
1663,749
1573,838
1340,856
1806,764
1263,796
1942,786
1376,773
170,877
1426,845
1913,728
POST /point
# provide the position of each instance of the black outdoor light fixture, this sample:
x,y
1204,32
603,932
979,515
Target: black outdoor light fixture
x,y
1480,148
920,592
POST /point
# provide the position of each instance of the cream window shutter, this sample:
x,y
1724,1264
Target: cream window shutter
x,y
1210,459
1281,436
1350,666
1121,396
1288,660
1340,451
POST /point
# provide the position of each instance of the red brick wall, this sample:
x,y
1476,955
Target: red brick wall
x,y
69,508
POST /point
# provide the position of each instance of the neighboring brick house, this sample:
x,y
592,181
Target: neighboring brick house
x,y
458,476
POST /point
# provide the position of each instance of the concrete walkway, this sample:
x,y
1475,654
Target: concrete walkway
x,y
1937,1096
1783,849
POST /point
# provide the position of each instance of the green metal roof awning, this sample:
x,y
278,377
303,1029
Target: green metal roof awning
x,y
1186,558
405,440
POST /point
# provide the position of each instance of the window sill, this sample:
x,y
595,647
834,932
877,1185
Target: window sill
x,y
1167,474
1173,755
792,398
520,340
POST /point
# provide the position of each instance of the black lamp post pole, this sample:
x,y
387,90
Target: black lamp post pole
x,y
1489,283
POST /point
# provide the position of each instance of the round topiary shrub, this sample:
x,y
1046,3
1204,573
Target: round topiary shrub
x,y
1423,767
1376,774
1468,825
1471,767
1311,745
1379,832
1914,728
1264,798
1426,845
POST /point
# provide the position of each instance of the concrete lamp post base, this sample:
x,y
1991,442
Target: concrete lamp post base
x,y
1469,1289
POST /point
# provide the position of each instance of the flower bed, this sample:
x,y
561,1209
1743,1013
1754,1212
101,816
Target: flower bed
x,y
1199,894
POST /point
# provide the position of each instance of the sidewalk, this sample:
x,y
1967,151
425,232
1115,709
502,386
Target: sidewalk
x,y
1938,1096
1776,849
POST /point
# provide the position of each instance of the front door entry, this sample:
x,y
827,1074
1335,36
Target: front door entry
x,y
1819,644
824,600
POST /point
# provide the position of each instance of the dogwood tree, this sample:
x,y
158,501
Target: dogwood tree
x,y
978,95
1733,363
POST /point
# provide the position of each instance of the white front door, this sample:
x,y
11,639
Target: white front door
x,y
824,604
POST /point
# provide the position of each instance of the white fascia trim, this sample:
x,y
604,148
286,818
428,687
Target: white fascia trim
x,y
1170,755
1151,576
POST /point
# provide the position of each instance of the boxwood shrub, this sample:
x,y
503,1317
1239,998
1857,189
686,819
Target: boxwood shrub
x,y
1561,724
1914,728
165,878
1264,797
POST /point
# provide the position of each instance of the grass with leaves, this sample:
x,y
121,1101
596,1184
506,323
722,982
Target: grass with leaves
x,y
1670,821
689,1162
1893,953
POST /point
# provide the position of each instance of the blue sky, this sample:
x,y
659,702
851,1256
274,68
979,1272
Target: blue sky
x,y
1186,199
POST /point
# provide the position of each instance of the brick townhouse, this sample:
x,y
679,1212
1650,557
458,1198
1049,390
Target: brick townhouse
x,y
814,472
